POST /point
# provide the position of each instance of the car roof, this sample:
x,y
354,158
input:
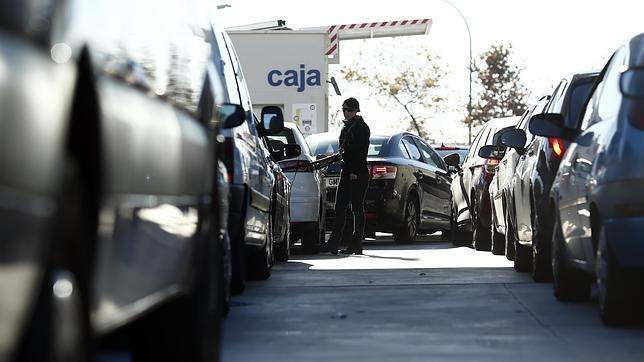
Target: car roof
x,y
503,122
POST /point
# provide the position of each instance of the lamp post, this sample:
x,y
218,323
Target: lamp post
x,y
469,102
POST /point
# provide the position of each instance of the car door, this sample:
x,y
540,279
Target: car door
x,y
461,183
436,185
602,110
473,164
418,170
502,178
156,158
520,165
259,181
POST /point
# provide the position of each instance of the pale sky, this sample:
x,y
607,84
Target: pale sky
x,y
550,38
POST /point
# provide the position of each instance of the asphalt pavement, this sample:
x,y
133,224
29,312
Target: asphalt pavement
x,y
428,301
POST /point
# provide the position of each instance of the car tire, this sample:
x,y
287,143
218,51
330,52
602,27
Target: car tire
x,y
406,233
541,245
618,303
186,328
498,242
311,239
260,261
458,236
226,273
509,238
568,284
446,235
522,253
238,278
480,234
283,249
522,257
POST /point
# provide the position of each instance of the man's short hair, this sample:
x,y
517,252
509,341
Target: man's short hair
x,y
352,103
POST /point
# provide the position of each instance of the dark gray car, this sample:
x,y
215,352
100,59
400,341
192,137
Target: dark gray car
x,y
530,223
598,194
107,198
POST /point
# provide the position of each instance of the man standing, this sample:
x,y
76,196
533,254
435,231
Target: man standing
x,y
354,178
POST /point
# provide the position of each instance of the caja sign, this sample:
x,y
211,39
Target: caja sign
x,y
293,78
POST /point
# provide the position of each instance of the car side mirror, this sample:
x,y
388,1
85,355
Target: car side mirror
x,y
488,151
630,83
272,121
231,115
548,125
453,159
514,138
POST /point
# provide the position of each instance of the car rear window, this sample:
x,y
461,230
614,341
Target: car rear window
x,y
323,146
376,146
330,145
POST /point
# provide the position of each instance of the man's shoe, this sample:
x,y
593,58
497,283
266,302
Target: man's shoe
x,y
350,251
325,249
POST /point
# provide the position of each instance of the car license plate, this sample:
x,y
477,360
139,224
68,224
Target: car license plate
x,y
332,181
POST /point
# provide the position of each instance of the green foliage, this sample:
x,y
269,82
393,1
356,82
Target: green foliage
x,y
409,81
502,93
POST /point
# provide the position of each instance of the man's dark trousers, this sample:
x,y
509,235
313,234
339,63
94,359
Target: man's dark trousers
x,y
349,191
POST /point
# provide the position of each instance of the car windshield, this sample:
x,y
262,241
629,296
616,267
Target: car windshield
x,y
323,146
330,145
292,136
462,152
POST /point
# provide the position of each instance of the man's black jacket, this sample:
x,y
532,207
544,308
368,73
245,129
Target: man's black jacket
x,y
354,143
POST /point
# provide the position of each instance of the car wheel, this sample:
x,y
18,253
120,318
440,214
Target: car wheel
x,y
522,257
498,242
617,303
522,253
406,233
226,272
509,237
187,328
311,240
238,277
59,329
458,236
568,284
260,261
541,266
283,249
480,234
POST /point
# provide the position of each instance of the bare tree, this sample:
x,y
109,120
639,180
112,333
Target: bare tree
x,y
409,81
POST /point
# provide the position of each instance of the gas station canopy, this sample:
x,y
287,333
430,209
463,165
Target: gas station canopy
x,y
370,30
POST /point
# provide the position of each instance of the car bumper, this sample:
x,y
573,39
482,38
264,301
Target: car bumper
x,y
304,209
482,187
383,207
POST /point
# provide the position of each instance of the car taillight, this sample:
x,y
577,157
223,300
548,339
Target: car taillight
x,y
635,112
557,145
296,166
490,165
382,172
